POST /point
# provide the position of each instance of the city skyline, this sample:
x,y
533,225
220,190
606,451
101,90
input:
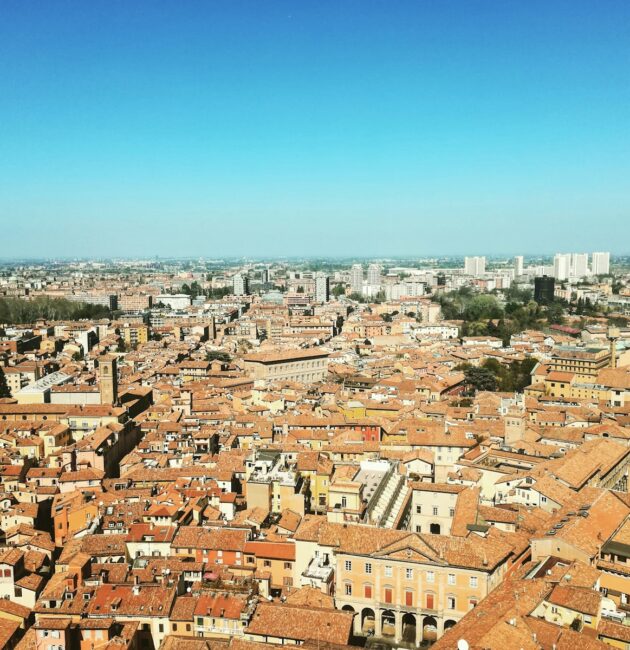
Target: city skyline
x,y
322,130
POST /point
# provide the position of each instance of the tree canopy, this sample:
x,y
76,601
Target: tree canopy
x,y
15,311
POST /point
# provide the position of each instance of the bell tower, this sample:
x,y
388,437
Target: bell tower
x,y
108,377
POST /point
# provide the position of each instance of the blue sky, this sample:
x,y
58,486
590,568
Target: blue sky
x,y
314,127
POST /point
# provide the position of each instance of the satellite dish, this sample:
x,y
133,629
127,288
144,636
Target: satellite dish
x,y
462,644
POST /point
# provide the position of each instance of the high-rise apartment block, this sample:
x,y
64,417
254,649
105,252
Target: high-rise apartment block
x,y
322,287
356,278
518,265
601,263
241,285
579,265
374,274
562,266
570,265
475,265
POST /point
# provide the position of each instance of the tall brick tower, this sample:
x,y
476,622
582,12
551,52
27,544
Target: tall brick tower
x,y
108,376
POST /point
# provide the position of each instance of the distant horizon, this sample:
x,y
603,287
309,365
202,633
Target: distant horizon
x,y
280,258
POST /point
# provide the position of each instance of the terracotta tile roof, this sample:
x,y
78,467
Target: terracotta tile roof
x,y
301,623
272,550
211,539
579,599
125,600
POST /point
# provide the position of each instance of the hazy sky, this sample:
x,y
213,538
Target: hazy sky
x,y
314,127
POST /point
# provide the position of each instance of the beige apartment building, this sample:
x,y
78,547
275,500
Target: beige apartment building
x,y
406,586
305,366
584,362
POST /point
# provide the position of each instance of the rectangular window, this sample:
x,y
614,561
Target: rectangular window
x,y
409,598
435,511
430,601
430,576
389,596
451,512
418,510
451,602
368,567
348,589
388,572
451,578
367,591
348,565
473,581
409,574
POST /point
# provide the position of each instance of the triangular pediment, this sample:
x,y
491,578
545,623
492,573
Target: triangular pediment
x,y
411,548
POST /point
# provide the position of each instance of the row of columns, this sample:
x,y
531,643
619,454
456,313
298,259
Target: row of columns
x,y
398,624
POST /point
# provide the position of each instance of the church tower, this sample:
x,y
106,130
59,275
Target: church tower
x,y
108,375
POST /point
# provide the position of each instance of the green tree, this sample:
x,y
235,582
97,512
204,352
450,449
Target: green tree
x,y
218,355
4,387
513,377
17,311
219,293
555,313
338,290
480,379
195,289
